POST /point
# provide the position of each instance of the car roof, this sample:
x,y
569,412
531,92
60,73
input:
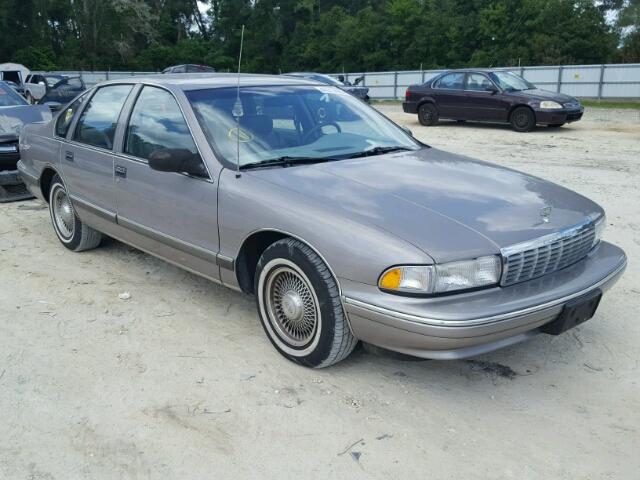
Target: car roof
x,y
481,70
190,81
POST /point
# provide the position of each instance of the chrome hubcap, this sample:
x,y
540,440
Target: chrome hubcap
x,y
63,213
291,305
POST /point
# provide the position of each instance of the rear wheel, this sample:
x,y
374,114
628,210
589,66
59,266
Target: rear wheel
x,y
71,231
523,119
428,114
300,307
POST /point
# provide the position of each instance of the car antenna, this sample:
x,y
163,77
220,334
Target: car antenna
x,y
237,107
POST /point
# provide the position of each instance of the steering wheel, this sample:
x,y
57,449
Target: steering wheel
x,y
319,127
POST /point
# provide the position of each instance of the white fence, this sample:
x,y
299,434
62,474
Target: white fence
x,y
586,81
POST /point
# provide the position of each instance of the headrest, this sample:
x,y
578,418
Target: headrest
x,y
260,124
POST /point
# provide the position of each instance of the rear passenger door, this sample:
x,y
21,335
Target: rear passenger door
x,y
450,97
175,215
87,157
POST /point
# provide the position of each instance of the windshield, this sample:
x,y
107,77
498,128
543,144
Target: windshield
x,y
293,122
51,81
9,97
510,81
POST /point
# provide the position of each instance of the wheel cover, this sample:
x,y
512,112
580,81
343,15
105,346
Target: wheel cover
x,y
291,306
427,114
521,119
63,213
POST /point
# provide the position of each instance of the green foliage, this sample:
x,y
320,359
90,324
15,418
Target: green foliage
x,y
323,35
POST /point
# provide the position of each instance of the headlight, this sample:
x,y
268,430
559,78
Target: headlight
x,y
600,225
446,277
549,105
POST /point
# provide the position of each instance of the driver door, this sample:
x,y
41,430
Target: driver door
x,y
174,215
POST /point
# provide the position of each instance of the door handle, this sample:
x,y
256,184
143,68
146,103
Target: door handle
x,y
120,171
68,156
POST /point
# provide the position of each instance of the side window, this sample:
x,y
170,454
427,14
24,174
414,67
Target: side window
x,y
28,80
179,69
452,81
98,122
478,82
156,124
64,120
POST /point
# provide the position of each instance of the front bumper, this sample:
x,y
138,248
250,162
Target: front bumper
x,y
469,324
556,117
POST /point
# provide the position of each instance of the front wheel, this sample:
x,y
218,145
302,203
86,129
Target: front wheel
x,y
70,230
523,119
299,305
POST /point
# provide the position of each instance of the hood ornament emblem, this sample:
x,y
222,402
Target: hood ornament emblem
x,y
545,213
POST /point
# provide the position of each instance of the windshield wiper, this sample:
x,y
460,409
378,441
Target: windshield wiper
x,y
379,151
286,161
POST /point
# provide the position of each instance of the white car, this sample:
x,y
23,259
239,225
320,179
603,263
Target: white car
x,y
36,85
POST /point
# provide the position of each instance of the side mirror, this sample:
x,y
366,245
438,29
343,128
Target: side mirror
x,y
178,160
54,106
493,89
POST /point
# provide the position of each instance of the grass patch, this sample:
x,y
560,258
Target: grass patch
x,y
628,104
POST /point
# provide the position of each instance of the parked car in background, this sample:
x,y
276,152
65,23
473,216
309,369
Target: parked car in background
x,y
490,96
342,225
61,88
62,92
189,68
14,114
360,92
15,75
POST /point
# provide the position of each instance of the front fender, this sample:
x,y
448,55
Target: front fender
x,y
353,249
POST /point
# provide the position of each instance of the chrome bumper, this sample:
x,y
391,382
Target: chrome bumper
x,y
464,325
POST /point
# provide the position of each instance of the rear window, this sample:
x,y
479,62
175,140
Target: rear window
x,y
98,122
451,81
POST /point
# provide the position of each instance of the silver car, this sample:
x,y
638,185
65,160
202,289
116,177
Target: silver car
x,y
342,225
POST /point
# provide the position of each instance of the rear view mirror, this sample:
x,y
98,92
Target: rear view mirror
x,y
177,160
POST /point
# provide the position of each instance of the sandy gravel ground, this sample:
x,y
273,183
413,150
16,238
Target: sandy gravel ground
x,y
179,382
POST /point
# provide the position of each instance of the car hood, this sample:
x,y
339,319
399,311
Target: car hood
x,y
449,206
12,119
538,94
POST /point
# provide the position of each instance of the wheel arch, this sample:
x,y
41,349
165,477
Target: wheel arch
x,y
254,244
518,105
427,100
45,180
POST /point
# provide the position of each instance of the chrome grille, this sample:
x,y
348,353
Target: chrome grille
x,y
547,255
